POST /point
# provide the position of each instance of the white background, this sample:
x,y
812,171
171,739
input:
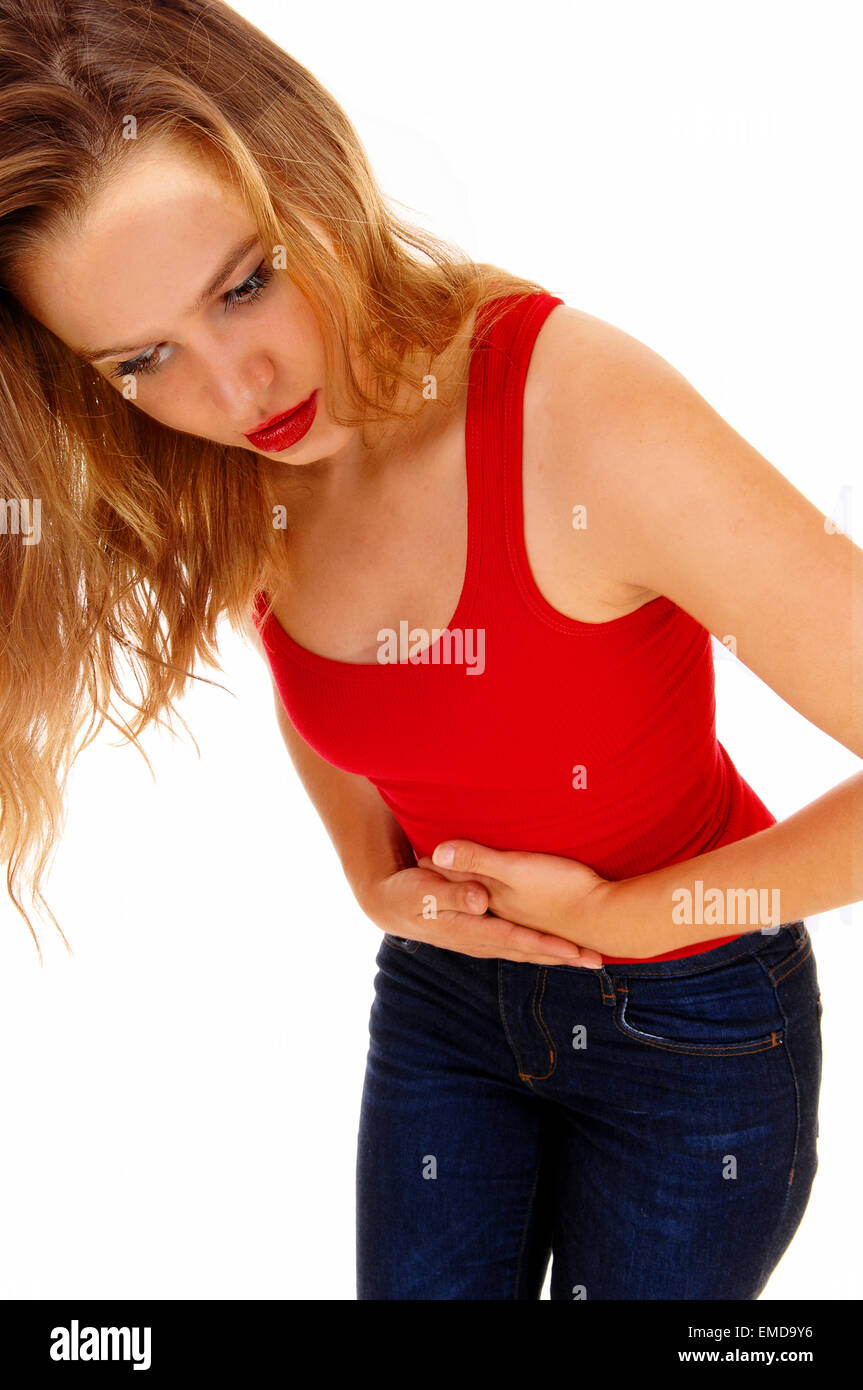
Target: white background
x,y
180,1099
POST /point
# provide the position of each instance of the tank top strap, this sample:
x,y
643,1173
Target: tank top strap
x,y
504,335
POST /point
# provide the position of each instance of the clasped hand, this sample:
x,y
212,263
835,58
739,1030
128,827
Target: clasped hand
x,y
542,908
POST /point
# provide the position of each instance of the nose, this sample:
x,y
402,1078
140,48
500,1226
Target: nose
x,y
239,384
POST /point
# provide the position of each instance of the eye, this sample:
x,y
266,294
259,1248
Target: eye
x,y
137,366
244,293
251,288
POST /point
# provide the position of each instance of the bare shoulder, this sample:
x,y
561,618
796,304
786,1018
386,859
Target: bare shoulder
x,y
590,385
586,358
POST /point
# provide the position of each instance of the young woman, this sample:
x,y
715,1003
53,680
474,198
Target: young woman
x,y
482,539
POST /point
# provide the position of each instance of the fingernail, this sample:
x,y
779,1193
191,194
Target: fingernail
x,y
444,855
474,899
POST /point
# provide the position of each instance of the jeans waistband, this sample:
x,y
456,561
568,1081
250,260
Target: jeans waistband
x,y
786,936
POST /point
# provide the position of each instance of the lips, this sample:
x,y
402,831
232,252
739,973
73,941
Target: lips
x,y
281,431
274,420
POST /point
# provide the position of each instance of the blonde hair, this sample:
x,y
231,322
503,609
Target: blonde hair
x,y
149,535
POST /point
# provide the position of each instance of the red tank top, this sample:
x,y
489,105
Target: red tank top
x,y
518,727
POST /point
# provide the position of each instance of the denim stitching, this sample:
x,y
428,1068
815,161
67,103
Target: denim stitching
x,y
502,1012
621,971
536,1009
602,976
402,943
694,1050
793,965
795,1148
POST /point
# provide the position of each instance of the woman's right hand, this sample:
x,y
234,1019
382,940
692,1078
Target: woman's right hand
x,y
421,905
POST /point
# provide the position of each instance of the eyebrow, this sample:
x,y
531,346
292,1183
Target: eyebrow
x,y
232,259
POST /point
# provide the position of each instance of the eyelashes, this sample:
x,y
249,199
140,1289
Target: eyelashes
x,y
245,293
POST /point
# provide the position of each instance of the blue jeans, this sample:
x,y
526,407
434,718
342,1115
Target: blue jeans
x,y
650,1127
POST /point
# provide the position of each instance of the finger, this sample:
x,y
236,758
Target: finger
x,y
523,938
512,941
517,959
452,901
453,875
528,941
467,855
548,960
469,896
495,951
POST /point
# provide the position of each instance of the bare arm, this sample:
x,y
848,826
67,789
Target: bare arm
x,y
366,836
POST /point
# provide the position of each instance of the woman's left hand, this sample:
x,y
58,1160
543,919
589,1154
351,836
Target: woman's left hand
x,y
545,891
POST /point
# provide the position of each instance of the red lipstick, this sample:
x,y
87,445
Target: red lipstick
x,y
281,431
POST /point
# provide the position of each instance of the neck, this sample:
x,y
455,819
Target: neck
x,y
373,447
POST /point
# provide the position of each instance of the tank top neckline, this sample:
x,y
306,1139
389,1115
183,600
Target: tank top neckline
x,y
513,511
288,646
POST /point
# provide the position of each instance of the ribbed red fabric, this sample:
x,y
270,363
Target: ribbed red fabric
x,y
484,743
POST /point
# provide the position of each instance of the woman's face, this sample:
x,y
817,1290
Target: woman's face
x,y
159,285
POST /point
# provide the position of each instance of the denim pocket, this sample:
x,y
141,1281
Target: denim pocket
x,y
401,943
724,1012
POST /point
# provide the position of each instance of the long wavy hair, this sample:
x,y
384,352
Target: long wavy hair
x,y
149,535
